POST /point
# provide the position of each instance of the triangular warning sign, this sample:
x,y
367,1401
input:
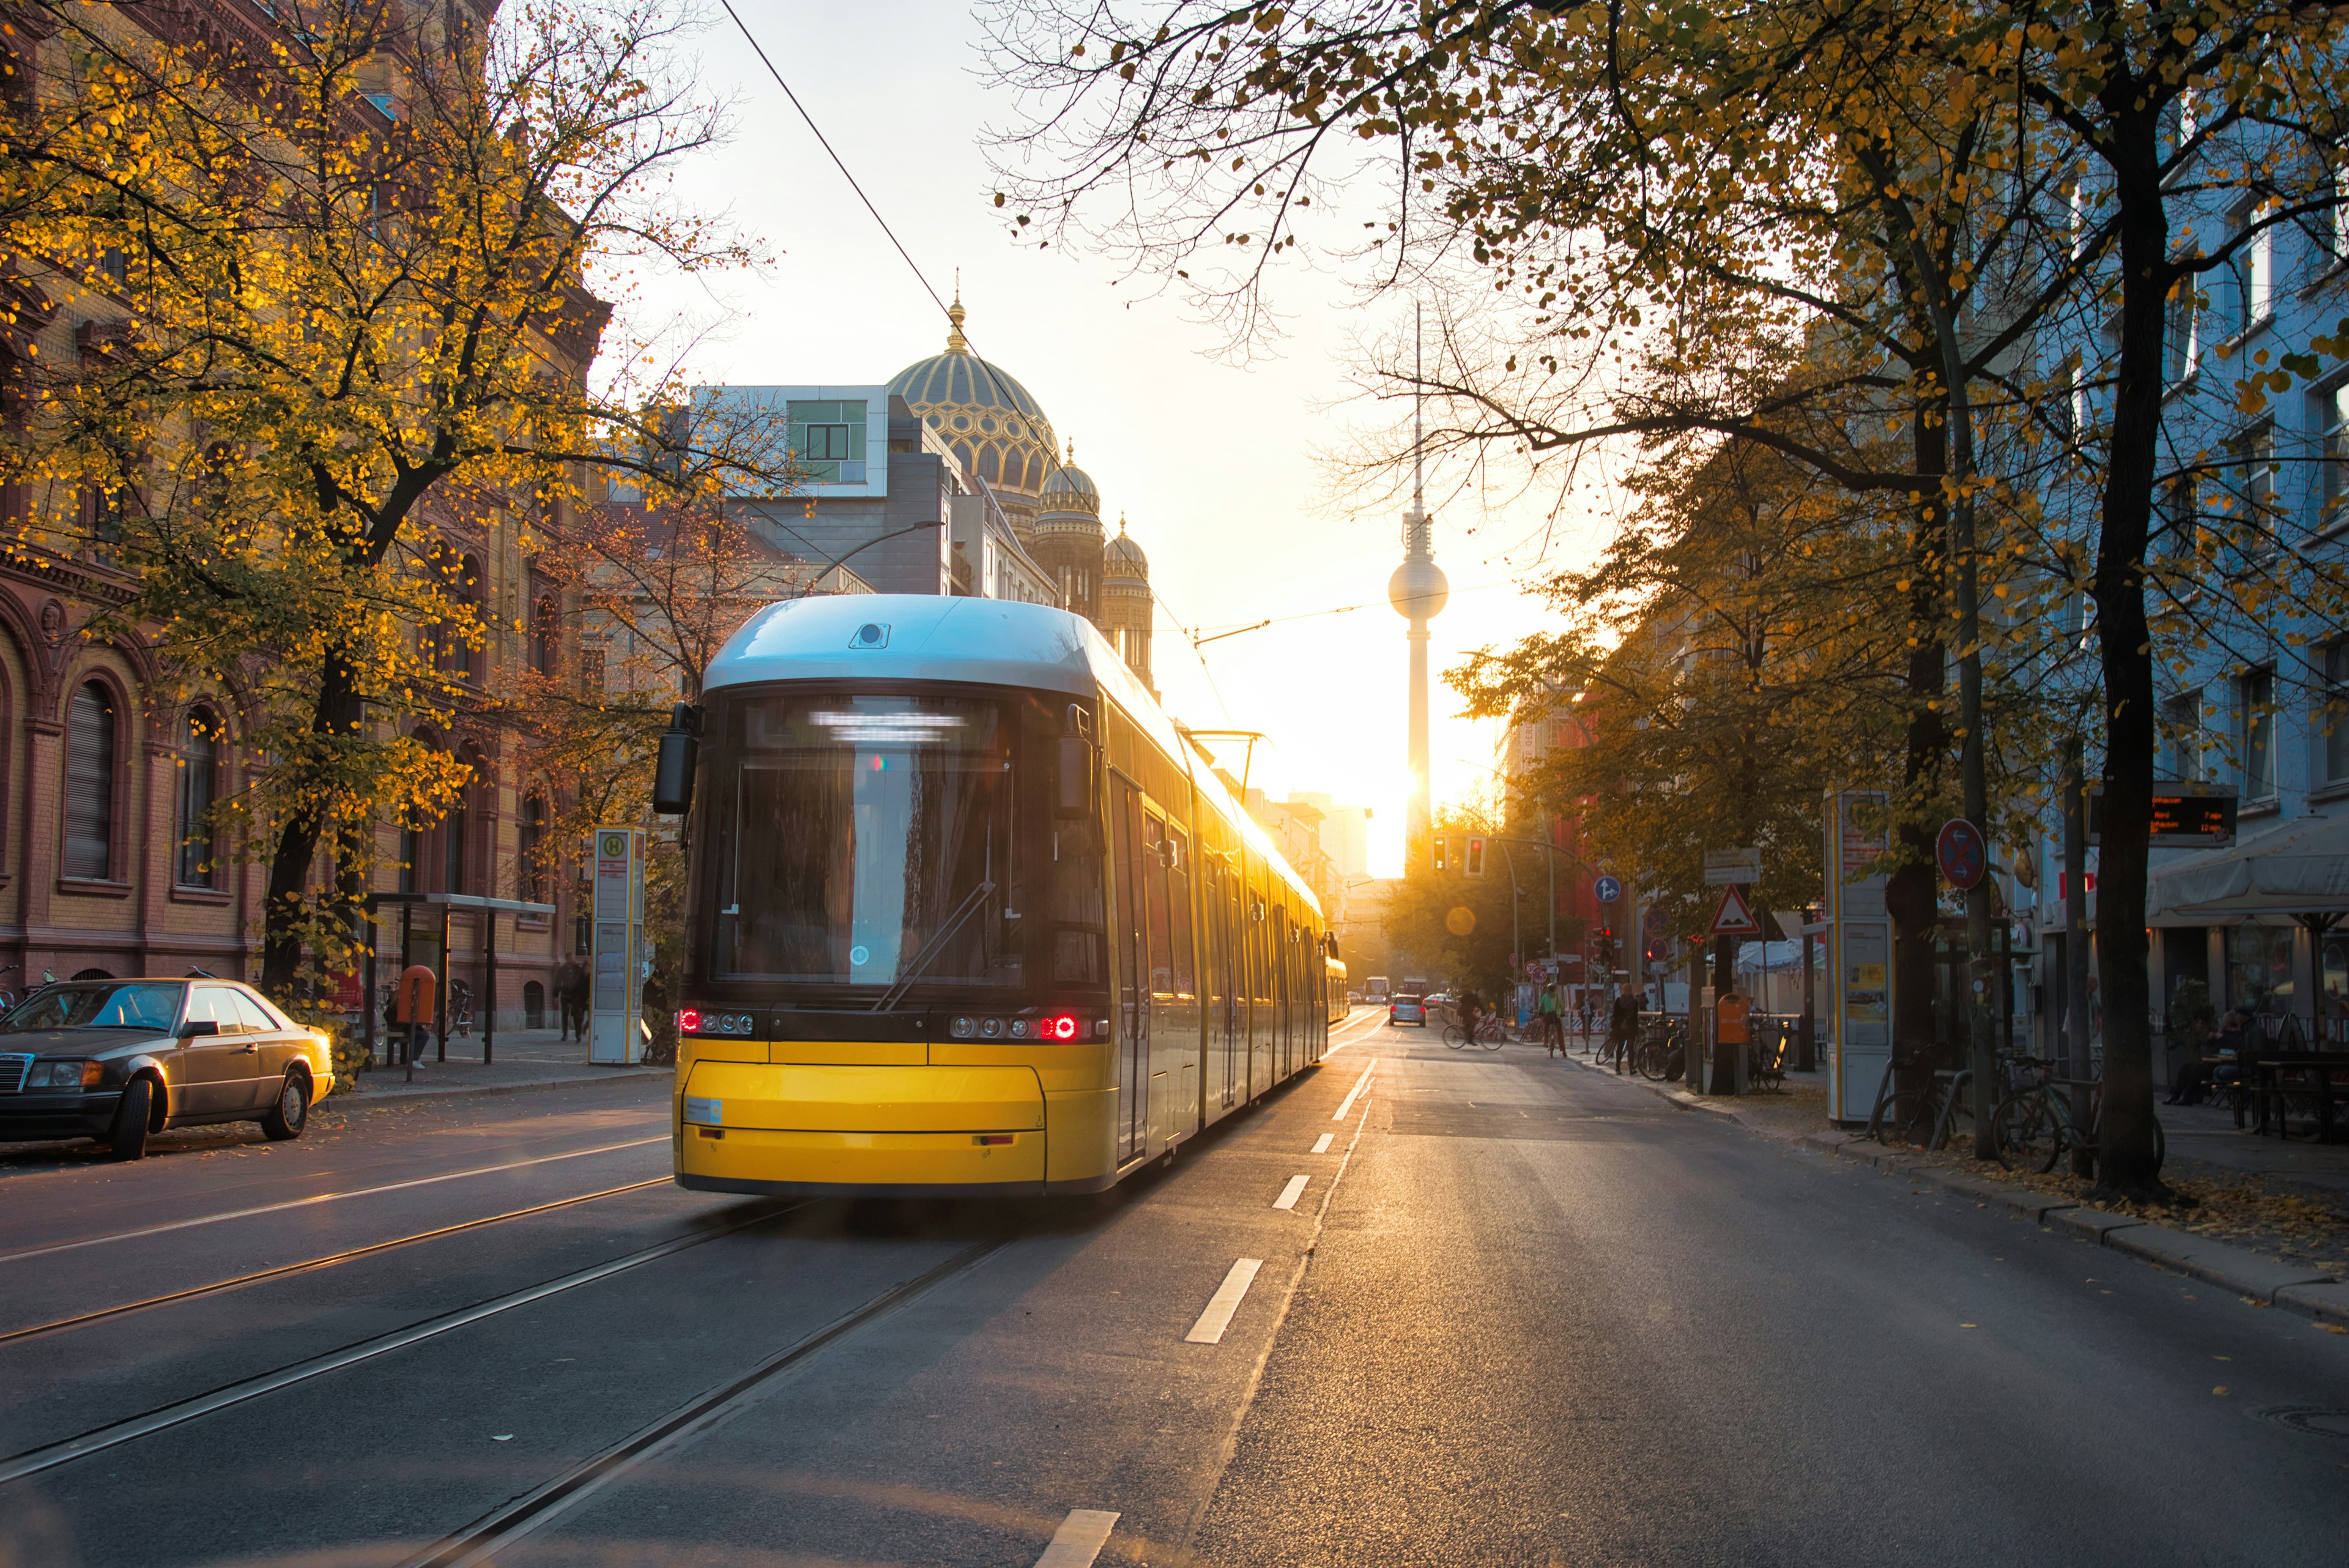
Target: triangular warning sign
x,y
1734,918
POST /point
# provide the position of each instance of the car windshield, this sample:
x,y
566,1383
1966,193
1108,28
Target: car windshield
x,y
864,828
146,1004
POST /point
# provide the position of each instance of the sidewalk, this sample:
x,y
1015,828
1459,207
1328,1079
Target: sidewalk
x,y
2271,1220
525,1059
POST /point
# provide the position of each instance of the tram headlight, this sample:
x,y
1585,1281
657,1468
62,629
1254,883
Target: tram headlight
x,y
963,1028
990,1029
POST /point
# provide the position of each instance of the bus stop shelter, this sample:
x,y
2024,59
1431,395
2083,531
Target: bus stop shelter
x,y
439,906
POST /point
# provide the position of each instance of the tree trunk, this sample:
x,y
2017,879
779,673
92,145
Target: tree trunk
x,y
1911,892
2130,1169
335,719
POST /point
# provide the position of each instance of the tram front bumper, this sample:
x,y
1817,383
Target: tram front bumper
x,y
755,1127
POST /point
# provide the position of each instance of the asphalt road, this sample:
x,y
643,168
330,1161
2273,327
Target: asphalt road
x,y
1519,1313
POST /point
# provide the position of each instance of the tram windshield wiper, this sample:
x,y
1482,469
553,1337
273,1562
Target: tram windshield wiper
x,y
935,945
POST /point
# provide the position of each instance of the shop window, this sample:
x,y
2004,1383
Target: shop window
x,y
2334,717
2181,736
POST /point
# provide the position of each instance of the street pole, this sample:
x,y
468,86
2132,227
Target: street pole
x,y
2076,1022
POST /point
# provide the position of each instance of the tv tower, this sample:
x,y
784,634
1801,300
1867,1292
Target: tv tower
x,y
1418,592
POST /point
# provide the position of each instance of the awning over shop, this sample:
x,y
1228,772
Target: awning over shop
x,y
2293,872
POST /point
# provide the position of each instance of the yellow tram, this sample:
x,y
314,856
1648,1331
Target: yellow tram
x,y
966,913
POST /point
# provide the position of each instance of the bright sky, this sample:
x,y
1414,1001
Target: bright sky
x,y
1212,464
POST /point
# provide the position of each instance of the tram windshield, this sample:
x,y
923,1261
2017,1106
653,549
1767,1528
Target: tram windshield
x,y
864,832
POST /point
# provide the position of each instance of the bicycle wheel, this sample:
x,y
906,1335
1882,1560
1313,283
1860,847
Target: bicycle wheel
x,y
1652,1058
1494,1038
2024,1132
1454,1036
1905,1120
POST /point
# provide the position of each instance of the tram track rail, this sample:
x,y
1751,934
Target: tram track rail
x,y
476,1545
114,1434
315,1199
332,1260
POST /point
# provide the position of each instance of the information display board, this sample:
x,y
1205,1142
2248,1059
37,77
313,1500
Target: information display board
x,y
1859,950
616,1036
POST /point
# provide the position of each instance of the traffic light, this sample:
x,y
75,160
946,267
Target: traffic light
x,y
1441,861
1472,856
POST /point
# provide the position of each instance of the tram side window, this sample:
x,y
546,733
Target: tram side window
x,y
1178,891
1154,879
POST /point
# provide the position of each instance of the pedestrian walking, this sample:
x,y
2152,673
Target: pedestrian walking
x,y
1622,1024
575,995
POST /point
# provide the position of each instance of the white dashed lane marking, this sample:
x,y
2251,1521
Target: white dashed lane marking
x,y
1321,1144
1209,1329
1079,1540
1291,1193
1346,1105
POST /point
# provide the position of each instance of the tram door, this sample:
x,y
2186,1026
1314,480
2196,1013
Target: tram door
x,y
1133,974
1256,921
1173,1067
1221,895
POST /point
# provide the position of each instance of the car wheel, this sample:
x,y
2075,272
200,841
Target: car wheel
x,y
291,1113
127,1138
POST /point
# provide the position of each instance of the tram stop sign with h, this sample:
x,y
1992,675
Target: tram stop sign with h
x,y
1961,852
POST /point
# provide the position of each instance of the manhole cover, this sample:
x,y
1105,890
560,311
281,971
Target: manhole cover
x,y
2316,1419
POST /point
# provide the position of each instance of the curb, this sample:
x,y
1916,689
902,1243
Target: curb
x,y
2259,1281
352,1103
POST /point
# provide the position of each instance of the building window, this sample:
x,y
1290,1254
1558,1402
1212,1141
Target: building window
x,y
90,753
196,865
531,849
2251,472
2181,732
2255,732
2238,289
826,433
545,634
2334,720
2329,418
590,669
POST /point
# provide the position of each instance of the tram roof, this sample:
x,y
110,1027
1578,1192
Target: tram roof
x,y
982,641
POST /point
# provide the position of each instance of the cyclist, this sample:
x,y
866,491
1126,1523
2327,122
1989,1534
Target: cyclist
x,y
1472,1010
1553,1020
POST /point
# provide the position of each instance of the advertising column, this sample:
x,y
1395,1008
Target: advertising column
x,y
1859,952
614,1032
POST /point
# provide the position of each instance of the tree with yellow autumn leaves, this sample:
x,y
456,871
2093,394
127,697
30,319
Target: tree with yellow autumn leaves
x,y
341,274
1962,227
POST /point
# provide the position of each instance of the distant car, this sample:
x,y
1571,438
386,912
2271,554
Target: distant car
x,y
1354,999
1438,998
121,1060
1404,1009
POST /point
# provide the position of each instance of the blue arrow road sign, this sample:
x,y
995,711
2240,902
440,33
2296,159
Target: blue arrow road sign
x,y
1609,890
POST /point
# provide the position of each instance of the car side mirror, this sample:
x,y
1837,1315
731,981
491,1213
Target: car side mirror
x,y
195,1028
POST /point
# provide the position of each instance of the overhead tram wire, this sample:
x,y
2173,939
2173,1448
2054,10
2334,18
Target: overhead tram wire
x,y
1204,637
838,163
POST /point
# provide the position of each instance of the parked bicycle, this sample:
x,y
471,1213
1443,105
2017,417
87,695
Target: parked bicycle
x,y
2038,1124
1929,1115
1661,1053
1766,1059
